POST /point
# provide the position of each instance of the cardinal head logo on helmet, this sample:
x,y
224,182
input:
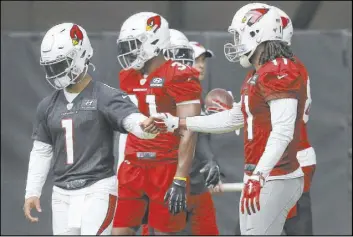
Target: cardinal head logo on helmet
x,y
154,23
76,35
285,22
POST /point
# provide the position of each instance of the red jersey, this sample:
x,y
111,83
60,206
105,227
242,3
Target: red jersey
x,y
276,79
304,140
159,92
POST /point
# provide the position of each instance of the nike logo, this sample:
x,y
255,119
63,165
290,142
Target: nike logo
x,y
124,96
280,77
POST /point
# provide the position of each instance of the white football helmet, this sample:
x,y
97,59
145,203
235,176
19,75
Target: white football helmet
x,y
251,26
180,49
142,36
65,54
287,26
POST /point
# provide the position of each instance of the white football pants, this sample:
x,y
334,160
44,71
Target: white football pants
x,y
277,197
88,211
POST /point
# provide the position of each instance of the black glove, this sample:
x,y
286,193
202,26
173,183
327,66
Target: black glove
x,y
176,197
211,169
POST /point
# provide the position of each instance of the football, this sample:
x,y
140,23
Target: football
x,y
218,100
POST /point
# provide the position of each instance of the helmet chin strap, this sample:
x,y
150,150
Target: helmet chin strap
x,y
244,62
81,76
138,64
141,59
92,65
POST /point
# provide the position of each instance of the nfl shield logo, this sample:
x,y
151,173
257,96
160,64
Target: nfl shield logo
x,y
253,79
69,106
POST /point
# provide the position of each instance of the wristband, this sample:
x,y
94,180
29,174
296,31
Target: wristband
x,y
180,178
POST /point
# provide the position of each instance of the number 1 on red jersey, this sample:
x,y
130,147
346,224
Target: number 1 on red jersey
x,y
249,118
150,100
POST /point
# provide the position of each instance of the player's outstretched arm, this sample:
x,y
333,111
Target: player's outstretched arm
x,y
124,116
38,168
222,122
141,126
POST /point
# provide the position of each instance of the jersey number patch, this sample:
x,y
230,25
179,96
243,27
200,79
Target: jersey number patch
x,y
249,118
68,126
180,66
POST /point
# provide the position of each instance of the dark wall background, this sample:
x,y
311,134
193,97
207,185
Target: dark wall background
x,y
328,56
185,15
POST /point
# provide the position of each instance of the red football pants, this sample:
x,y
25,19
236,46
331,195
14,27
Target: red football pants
x,y
202,215
139,179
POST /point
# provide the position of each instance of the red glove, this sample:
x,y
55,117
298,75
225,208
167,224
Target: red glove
x,y
251,193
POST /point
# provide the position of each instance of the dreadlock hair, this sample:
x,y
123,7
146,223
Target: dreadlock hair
x,y
275,49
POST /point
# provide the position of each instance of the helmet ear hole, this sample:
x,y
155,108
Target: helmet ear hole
x,y
157,51
155,42
83,54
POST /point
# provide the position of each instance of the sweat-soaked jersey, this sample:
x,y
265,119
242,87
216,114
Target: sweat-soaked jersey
x,y
81,132
160,92
277,79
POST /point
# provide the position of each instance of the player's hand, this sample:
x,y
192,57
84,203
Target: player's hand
x,y
216,189
176,197
150,126
32,202
251,194
213,173
166,120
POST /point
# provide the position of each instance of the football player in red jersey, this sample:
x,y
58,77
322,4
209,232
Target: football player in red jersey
x,y
158,169
299,219
201,213
271,109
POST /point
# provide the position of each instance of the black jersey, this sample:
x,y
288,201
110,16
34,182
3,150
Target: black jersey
x,y
81,132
